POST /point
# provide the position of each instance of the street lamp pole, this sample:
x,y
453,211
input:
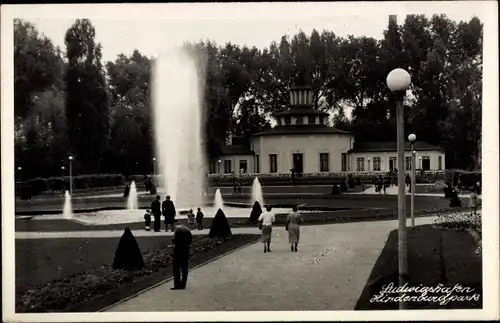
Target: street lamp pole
x,y
154,170
220,161
398,81
412,137
19,169
70,175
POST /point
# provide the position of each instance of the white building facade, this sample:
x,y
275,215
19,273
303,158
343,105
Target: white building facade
x,y
303,141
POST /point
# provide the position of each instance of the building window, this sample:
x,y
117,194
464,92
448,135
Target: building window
x,y
392,163
440,162
324,162
407,163
426,163
287,121
257,164
308,120
227,166
376,164
299,120
243,166
360,164
344,162
273,163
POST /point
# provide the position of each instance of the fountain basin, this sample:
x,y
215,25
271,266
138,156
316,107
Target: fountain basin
x,y
134,216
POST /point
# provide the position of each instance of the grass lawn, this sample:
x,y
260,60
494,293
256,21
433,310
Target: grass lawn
x,y
39,261
75,274
435,256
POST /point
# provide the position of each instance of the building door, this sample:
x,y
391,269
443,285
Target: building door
x,y
392,163
298,163
426,163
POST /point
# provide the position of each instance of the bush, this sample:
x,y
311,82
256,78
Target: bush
x,y
256,212
468,178
220,226
128,255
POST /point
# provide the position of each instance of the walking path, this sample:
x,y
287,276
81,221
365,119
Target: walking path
x,y
328,273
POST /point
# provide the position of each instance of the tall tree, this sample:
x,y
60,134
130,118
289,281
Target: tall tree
x,y
87,100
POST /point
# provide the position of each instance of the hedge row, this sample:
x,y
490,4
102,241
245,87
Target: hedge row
x,y
39,185
315,178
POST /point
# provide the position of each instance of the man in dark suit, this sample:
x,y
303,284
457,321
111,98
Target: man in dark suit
x,y
182,241
168,209
156,210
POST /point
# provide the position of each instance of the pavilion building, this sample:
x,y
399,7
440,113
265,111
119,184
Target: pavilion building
x,y
303,141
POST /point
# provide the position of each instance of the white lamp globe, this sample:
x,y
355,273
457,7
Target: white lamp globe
x,y
398,80
70,157
412,137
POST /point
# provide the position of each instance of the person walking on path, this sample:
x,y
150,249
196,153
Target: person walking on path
x,y
156,210
199,219
180,258
293,222
266,220
473,202
168,210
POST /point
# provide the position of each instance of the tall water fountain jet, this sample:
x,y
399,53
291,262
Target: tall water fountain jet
x,y
257,192
178,83
67,209
218,202
132,197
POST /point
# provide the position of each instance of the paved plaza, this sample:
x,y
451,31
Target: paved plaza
x,y
328,273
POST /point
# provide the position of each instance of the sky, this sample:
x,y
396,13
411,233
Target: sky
x,y
153,27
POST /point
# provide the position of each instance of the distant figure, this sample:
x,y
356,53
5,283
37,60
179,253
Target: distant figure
x,y
379,184
156,210
238,186
473,202
447,191
455,201
478,188
168,210
180,258
408,181
235,184
191,219
335,189
147,220
147,183
293,222
199,219
266,220
293,176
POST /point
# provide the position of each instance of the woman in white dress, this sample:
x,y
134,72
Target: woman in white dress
x,y
266,220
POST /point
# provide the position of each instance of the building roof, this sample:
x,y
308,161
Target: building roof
x,y
369,146
236,150
301,110
303,129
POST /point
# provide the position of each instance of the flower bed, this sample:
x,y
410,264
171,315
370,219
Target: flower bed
x,y
461,221
97,288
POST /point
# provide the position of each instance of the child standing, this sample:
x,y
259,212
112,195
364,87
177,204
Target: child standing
x,y
191,219
147,220
199,219
473,202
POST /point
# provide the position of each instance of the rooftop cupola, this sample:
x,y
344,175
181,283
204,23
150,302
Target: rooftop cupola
x,y
301,96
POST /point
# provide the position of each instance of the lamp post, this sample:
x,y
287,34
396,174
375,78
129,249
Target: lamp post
x,y
420,162
19,169
412,139
368,164
398,81
154,169
219,161
70,175
62,171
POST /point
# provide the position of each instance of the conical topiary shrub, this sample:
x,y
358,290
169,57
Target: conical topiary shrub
x,y
128,256
256,212
220,227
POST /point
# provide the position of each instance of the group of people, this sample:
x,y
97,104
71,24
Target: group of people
x,y
292,225
167,208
